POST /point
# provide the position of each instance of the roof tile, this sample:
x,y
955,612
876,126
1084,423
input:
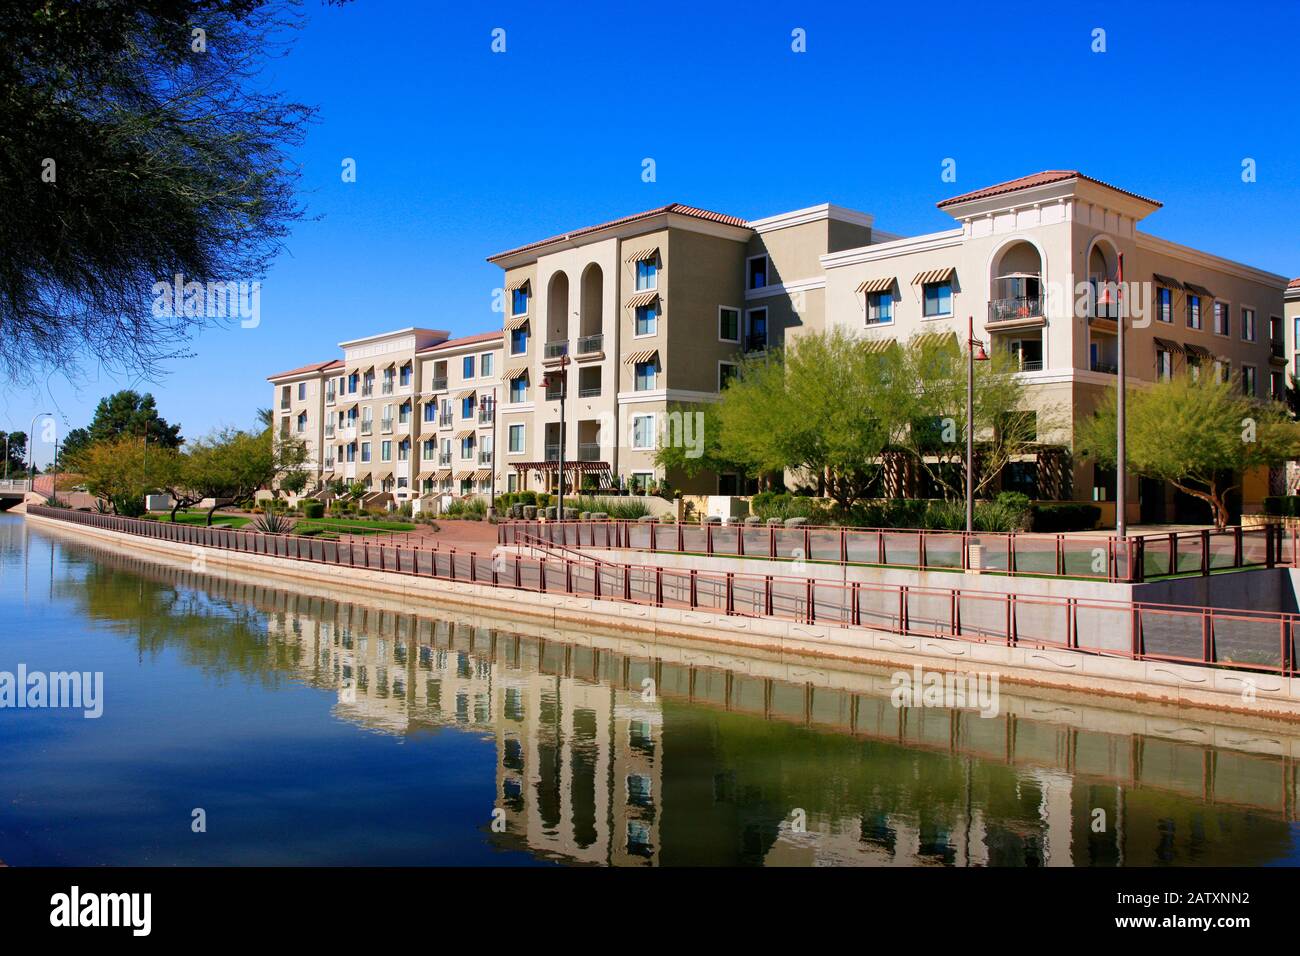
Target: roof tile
x,y
1036,179
674,207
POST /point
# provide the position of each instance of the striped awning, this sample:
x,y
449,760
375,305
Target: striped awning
x,y
443,474
518,322
644,355
645,255
426,473
935,339
879,346
462,475
468,393
1166,281
384,471
467,433
518,284
876,285
642,298
935,275
483,474
1200,290
1168,345
1200,351
363,477
516,371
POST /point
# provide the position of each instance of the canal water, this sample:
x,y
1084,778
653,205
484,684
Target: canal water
x,y
245,722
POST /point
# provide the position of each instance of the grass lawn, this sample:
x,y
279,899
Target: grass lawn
x,y
351,527
201,518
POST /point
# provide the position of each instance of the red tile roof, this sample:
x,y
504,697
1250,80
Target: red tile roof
x,y
318,367
463,340
1037,179
676,208
1293,284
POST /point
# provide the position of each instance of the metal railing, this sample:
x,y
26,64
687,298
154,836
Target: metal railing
x,y
1016,307
555,349
486,414
589,451
588,344
485,457
445,421
588,391
1105,367
1242,639
367,427
444,458
440,384
1106,558
386,424
387,387
367,391
329,431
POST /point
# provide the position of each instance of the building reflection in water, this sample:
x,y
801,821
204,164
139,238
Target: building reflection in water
x,y
721,761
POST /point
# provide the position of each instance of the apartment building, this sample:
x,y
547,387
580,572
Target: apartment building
x,y
407,414
649,313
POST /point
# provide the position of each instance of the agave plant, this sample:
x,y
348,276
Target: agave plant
x,y
272,523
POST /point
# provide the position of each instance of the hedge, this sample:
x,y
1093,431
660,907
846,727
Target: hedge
x,y
1064,516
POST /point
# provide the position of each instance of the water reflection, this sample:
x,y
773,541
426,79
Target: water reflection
x,y
610,750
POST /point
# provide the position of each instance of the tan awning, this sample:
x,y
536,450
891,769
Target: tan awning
x,y
878,346
517,284
876,285
645,355
518,322
427,473
462,475
466,394
645,255
935,339
467,433
516,371
1166,281
935,275
1168,345
1199,351
384,471
642,298
483,474
1200,290
443,474
363,477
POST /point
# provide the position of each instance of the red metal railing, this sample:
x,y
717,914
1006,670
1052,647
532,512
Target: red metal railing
x,y
1243,639
1129,560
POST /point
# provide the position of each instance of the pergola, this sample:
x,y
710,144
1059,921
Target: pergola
x,y
572,470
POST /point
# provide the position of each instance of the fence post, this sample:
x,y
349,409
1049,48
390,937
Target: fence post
x,y
740,540
708,539
659,586
855,603
731,592
1237,555
767,595
810,594
627,582
694,596
1137,561
1205,552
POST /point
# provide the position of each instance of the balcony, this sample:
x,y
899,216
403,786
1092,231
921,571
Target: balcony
x,y
329,430
1022,310
440,384
756,343
589,391
553,393
1278,350
367,427
1106,368
444,458
485,458
367,391
329,464
445,421
591,345
555,350
387,387
589,451
386,425
329,396
553,452
486,414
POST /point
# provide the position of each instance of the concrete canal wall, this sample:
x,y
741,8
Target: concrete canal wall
x,y
1258,694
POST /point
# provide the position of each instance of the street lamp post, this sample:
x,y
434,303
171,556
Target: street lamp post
x,y
974,353
491,402
30,482
1121,451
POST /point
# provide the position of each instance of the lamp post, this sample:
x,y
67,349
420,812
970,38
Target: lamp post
x,y
974,353
6,456
30,482
1121,452
491,403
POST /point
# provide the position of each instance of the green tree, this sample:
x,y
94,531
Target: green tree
x,y
125,413
121,472
16,445
135,149
231,464
1191,432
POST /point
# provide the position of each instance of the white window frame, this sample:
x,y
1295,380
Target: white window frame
x,y
632,442
473,361
511,342
490,360
1254,323
636,275
952,302
740,323
528,300
1227,311
655,325
867,308
523,443
767,272
1254,380
767,331
386,450
635,377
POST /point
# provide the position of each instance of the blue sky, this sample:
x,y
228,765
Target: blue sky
x,y
462,152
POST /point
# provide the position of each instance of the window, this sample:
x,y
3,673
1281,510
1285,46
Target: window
x,y
467,407
365,451
1193,311
405,376
1277,386
756,333
404,450
643,432
302,421
430,411
1222,319
726,372
519,300
1248,380
1247,324
756,272
880,308
302,391
467,367
428,449
516,440
519,340
1164,365
404,413
352,451
645,376
385,451
352,383
519,389
937,298
647,317
485,364
647,274
1164,304
729,324
467,447
1224,369
641,480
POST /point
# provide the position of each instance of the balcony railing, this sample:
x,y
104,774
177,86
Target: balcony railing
x,y
329,396
329,431
445,421
1106,368
386,424
588,391
756,343
367,391
329,464
1017,307
591,343
284,404
555,349
1031,365
440,384
553,452
589,451
485,457
1279,349
485,414
387,387
444,458
553,393
367,427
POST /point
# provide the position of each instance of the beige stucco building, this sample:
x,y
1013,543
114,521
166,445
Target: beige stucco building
x,y
650,312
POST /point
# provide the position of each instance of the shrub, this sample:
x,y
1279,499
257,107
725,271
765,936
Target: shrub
x,y
475,509
1282,506
1061,516
312,509
783,505
616,509
271,523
